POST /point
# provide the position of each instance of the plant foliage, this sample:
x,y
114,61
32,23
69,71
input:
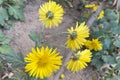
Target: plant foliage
x,y
10,10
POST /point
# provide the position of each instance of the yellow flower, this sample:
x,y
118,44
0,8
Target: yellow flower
x,y
76,37
95,7
101,15
95,44
51,14
41,63
88,44
79,60
62,76
89,6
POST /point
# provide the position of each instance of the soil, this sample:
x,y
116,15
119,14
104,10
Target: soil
x,y
22,43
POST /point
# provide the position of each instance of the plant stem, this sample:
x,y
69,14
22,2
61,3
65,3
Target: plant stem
x,y
42,34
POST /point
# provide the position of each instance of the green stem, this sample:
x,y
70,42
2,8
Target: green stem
x,y
59,34
42,34
52,44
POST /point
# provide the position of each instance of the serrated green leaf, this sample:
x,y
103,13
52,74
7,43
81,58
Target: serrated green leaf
x,y
4,39
117,67
8,24
1,36
115,29
35,37
17,59
5,49
1,59
106,25
3,15
107,43
118,60
29,77
19,75
108,59
117,42
111,15
19,2
95,62
21,57
16,12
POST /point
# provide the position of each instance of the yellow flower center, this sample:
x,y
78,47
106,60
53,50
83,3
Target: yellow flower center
x,y
73,35
76,57
43,61
95,44
49,15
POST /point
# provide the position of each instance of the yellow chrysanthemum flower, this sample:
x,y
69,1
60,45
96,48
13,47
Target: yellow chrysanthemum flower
x,y
88,44
89,6
76,37
41,63
79,60
101,15
95,7
94,44
51,14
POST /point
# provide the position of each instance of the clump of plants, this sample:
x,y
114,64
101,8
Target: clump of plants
x,y
93,41
10,10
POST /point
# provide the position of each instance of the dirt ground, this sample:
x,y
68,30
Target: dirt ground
x,y
22,43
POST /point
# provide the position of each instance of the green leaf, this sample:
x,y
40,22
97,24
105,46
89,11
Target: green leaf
x,y
118,60
29,78
97,63
107,43
19,2
3,15
115,29
8,24
35,37
112,15
109,59
5,49
4,39
117,42
1,59
1,36
17,59
117,67
16,12
19,75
